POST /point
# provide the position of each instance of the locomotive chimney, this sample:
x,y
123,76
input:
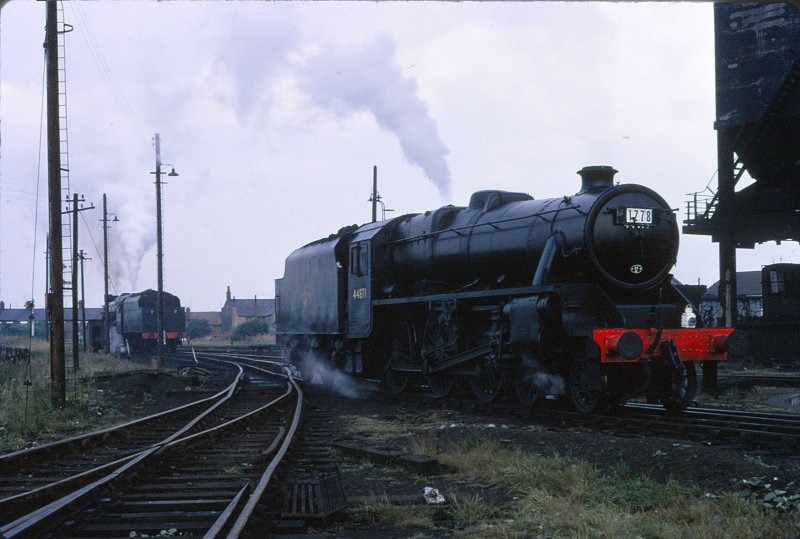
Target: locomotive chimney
x,y
596,177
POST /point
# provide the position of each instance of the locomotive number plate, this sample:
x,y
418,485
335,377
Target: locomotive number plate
x,y
639,216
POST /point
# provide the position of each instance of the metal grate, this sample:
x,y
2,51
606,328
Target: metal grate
x,y
314,496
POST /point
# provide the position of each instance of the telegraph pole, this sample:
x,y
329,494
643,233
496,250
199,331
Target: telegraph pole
x,y
55,298
106,337
47,287
83,257
75,360
75,341
374,198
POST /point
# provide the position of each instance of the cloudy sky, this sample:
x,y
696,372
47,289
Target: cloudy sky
x,y
274,114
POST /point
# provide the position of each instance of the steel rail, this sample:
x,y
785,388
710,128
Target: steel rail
x,y
10,461
16,504
35,522
751,428
785,426
255,496
78,482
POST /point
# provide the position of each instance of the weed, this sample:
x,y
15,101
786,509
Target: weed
x,y
469,510
376,427
561,497
381,511
25,398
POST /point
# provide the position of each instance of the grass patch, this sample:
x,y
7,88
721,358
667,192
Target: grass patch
x,y
26,411
469,510
564,497
376,427
381,511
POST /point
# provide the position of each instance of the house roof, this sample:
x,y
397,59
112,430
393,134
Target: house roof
x,y
748,283
21,315
246,307
214,318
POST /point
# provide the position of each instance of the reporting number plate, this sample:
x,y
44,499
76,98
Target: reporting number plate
x,y
639,216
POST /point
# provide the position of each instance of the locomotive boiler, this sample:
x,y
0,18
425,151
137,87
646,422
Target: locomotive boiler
x,y
134,322
570,293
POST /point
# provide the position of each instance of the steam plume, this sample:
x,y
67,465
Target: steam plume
x,y
317,371
367,78
137,231
546,383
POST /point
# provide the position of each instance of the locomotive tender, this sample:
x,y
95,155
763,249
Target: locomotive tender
x,y
508,290
134,319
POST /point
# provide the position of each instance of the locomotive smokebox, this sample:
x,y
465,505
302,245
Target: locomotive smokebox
x,y
596,177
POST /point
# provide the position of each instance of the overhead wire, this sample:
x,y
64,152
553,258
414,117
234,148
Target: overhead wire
x,y
29,374
1,178
38,182
97,251
105,71
134,121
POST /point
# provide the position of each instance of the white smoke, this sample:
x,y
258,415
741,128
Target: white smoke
x,y
136,228
549,384
318,371
252,51
546,383
368,78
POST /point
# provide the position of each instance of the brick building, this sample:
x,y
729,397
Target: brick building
x,y
235,312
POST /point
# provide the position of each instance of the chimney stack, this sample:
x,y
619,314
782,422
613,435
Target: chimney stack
x,y
596,177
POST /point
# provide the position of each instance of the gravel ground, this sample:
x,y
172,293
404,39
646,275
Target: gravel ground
x,y
401,425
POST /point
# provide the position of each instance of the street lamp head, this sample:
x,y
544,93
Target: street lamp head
x,y
173,173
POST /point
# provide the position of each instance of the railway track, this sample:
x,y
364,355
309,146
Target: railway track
x,y
776,432
204,478
773,432
207,469
750,380
35,476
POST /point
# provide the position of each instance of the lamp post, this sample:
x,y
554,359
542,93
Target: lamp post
x,y
160,251
106,337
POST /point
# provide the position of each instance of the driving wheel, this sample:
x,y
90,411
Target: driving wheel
x,y
438,345
401,359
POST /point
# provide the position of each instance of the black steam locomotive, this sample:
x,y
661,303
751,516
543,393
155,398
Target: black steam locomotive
x,y
509,291
134,322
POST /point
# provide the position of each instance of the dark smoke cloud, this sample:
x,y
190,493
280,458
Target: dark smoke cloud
x,y
367,78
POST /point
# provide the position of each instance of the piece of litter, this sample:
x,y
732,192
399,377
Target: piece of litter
x,y
432,495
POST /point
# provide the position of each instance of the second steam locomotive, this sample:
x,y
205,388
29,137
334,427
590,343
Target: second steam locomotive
x,y
508,291
134,322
